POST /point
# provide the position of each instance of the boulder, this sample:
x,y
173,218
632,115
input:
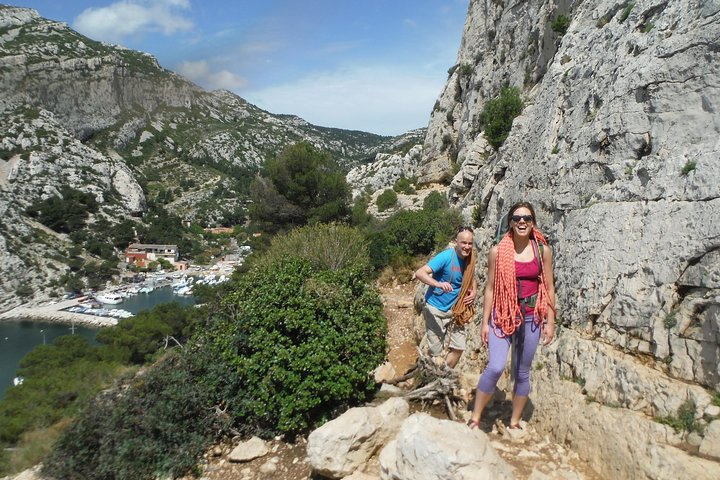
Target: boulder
x,y
341,446
710,445
431,449
249,450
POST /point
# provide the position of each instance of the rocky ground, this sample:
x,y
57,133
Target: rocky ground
x,y
529,455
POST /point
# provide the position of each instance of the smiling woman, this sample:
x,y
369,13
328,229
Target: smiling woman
x,y
521,290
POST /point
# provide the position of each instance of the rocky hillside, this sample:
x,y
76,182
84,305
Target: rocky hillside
x,y
617,147
111,122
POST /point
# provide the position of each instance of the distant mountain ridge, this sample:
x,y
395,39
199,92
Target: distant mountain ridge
x,y
112,122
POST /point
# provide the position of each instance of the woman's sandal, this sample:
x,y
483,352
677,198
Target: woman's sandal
x,y
473,424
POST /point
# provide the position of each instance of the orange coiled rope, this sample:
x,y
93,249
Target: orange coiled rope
x,y
506,308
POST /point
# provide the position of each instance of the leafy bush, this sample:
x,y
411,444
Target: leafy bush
x,y
159,425
684,419
409,233
404,185
560,25
689,166
499,114
670,320
326,246
435,201
466,70
626,11
477,216
65,213
291,346
59,378
137,339
297,344
359,216
386,199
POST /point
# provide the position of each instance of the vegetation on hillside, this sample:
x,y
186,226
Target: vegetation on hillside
x,y
301,185
284,346
499,113
291,345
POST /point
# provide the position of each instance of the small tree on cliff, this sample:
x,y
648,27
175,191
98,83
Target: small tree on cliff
x,y
499,114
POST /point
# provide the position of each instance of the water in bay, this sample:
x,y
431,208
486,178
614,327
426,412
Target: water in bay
x,y
18,338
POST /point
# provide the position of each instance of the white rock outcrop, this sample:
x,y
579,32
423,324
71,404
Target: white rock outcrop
x,y
427,448
249,450
341,446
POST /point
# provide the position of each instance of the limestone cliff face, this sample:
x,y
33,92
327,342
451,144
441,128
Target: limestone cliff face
x,y
617,147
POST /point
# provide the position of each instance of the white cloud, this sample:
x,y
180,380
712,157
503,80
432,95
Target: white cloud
x,y
381,100
132,17
199,72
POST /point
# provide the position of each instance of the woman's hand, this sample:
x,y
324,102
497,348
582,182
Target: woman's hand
x,y
485,333
548,332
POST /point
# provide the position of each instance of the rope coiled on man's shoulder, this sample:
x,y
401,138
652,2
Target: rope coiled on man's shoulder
x,y
464,314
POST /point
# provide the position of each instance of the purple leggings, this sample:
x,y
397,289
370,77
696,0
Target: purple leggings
x,y
526,341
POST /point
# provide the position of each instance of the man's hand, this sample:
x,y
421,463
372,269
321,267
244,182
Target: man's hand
x,y
469,298
445,286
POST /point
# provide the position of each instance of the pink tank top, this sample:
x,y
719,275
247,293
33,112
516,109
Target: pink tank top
x,y
527,273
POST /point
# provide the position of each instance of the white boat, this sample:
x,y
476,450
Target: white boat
x,y
109,298
186,290
18,381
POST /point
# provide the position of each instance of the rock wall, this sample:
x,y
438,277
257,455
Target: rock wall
x,y
617,148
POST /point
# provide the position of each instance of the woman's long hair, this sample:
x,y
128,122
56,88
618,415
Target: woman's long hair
x,y
508,316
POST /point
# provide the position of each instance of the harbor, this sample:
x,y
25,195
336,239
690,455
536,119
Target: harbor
x,y
105,308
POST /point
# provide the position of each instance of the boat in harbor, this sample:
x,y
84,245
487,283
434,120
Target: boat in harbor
x,y
109,298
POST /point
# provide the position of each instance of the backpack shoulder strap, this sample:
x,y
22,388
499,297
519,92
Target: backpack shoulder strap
x,y
538,249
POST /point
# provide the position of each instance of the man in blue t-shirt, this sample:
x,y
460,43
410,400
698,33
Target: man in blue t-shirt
x,y
444,274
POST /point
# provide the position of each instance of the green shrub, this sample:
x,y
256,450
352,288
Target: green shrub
x,y
296,346
499,114
405,185
688,167
359,216
477,216
683,420
326,246
447,142
560,25
24,290
466,70
409,233
670,320
303,185
157,426
387,199
626,11
435,201
59,378
66,213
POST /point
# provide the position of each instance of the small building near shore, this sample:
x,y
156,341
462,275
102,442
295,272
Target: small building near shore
x,y
141,254
218,230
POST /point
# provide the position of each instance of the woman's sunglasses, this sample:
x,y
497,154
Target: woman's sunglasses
x,y
517,218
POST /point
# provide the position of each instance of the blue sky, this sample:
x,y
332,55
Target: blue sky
x,y
372,65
